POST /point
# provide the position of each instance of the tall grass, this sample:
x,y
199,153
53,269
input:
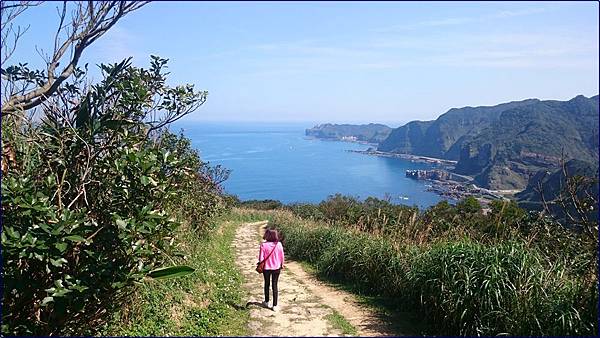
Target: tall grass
x,y
474,289
461,286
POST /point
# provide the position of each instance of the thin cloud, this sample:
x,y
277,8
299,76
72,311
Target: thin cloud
x,y
508,50
311,47
117,44
463,20
383,52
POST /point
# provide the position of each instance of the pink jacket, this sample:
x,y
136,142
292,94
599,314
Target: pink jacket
x,y
275,261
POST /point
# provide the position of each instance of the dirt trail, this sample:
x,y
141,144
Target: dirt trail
x,y
306,303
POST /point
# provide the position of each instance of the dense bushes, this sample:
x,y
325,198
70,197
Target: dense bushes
x,y
372,214
502,220
200,197
505,271
462,287
90,195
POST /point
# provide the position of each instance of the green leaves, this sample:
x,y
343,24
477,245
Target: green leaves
x,y
121,223
95,195
170,272
75,238
61,247
58,262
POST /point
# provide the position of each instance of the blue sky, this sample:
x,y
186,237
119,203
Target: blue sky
x,y
352,61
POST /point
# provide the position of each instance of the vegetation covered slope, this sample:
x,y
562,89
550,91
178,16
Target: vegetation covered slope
x,y
529,138
372,132
506,272
502,146
442,138
205,303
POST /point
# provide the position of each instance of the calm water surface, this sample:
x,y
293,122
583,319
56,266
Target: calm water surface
x,y
276,161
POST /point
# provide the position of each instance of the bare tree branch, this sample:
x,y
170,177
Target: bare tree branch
x,y
88,23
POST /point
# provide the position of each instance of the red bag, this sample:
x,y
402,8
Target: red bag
x,y
260,266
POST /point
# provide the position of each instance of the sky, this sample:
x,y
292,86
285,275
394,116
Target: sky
x,y
353,62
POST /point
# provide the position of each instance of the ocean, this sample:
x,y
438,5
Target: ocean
x,y
277,161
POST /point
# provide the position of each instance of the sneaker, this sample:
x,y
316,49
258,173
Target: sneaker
x,y
265,304
276,308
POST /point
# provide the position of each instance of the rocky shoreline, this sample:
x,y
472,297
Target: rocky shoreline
x,y
457,191
442,180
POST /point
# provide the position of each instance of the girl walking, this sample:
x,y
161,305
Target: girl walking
x,y
271,251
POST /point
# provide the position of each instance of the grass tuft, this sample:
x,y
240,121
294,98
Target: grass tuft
x,y
339,322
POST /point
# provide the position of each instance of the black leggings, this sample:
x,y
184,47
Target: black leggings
x,y
267,275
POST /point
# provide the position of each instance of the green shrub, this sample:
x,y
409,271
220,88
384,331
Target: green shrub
x,y
341,209
87,201
307,211
469,205
200,196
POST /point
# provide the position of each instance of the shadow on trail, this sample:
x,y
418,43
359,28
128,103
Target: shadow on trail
x,y
387,309
248,304
259,304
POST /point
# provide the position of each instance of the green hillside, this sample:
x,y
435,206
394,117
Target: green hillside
x,y
530,138
502,146
442,138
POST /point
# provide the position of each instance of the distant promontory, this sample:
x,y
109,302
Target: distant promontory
x,y
369,133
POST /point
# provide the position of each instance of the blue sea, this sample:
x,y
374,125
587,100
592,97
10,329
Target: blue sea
x,y
277,161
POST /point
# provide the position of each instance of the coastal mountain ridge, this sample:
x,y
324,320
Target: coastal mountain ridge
x,y
500,146
442,138
529,138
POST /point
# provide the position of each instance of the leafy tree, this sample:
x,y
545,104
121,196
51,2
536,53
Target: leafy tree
x,y
86,202
341,209
93,184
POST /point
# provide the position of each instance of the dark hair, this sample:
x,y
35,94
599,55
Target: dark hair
x,y
271,235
